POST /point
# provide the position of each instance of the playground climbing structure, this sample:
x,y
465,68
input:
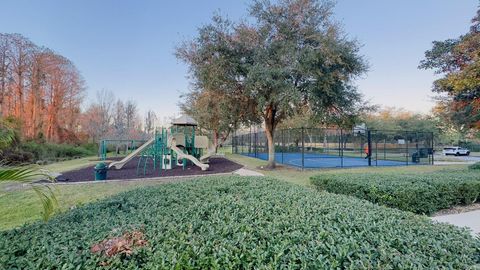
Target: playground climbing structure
x,y
176,146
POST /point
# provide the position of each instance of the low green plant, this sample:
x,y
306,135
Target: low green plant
x,y
239,223
8,133
422,193
475,166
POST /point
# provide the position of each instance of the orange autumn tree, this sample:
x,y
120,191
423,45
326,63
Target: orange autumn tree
x,y
41,88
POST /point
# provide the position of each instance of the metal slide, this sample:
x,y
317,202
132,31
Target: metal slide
x,y
119,164
181,155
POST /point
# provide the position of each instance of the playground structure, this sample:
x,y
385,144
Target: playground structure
x,y
169,147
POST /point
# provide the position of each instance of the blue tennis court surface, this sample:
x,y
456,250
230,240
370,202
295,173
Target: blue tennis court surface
x,y
316,160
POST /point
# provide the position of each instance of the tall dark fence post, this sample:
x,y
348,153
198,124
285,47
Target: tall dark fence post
x,y
339,144
432,147
255,142
303,147
384,149
340,148
416,148
233,143
369,143
406,147
283,145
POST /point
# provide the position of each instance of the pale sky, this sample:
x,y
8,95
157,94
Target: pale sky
x,y
127,46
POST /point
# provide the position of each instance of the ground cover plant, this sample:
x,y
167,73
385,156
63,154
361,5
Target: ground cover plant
x,y
237,223
414,191
475,166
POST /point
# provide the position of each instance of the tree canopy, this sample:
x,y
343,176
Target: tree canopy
x,y
291,57
458,60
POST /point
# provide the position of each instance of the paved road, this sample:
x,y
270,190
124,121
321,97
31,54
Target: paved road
x,y
448,160
468,219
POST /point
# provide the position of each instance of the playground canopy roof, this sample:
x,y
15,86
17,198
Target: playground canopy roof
x,y
184,120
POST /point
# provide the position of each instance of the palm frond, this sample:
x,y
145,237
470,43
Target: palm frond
x,y
7,137
48,199
18,174
28,175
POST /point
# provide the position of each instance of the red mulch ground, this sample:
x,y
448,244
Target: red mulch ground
x,y
129,171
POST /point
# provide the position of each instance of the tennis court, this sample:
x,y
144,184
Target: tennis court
x,y
315,160
327,148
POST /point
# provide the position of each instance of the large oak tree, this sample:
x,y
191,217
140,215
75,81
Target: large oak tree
x,y
293,55
217,99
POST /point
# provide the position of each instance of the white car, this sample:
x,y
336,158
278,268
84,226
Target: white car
x,y
455,150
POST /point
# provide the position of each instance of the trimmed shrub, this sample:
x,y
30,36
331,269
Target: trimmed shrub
x,y
422,193
239,223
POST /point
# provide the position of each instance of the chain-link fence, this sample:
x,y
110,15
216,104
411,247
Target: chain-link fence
x,y
319,148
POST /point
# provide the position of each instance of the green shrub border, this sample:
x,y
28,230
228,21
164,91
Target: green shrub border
x,y
240,223
421,193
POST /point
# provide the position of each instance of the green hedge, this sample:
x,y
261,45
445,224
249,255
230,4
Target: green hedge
x,y
31,152
240,223
421,192
47,151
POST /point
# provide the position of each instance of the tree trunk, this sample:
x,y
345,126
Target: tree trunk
x,y
215,140
271,148
269,132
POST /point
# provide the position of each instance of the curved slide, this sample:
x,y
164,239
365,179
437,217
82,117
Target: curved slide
x,y
202,142
181,155
119,164
206,157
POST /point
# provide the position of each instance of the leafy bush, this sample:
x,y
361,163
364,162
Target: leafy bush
x,y
56,151
30,152
239,223
9,133
16,156
475,166
422,193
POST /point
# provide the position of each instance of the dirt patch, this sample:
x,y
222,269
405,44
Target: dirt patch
x,y
120,245
276,168
458,210
129,171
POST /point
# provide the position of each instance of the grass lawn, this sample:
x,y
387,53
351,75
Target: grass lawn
x,y
298,176
20,205
72,164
